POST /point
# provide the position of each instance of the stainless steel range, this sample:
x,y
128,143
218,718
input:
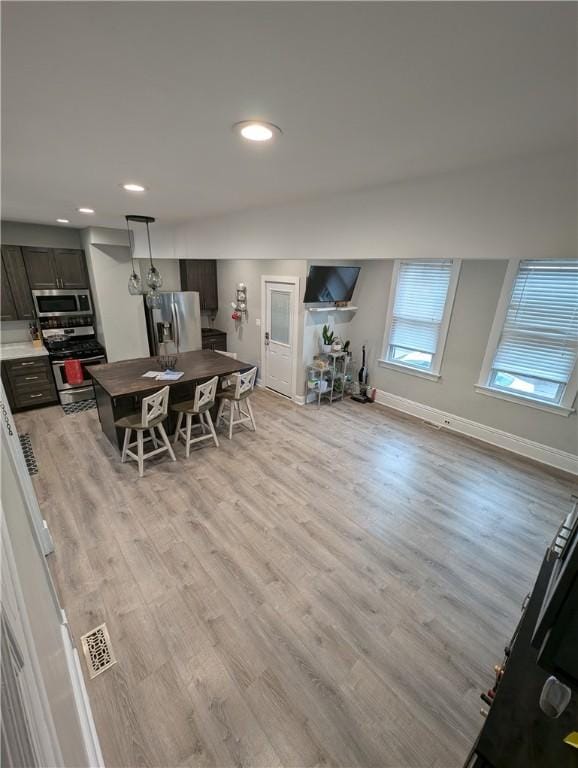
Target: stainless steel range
x,y
72,339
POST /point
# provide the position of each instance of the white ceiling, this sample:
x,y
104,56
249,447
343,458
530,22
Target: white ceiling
x,y
95,94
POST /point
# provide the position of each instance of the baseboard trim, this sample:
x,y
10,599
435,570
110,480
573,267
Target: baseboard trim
x,y
297,399
567,462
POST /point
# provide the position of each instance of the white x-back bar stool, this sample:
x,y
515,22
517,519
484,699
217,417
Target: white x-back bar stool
x,y
240,392
154,411
203,401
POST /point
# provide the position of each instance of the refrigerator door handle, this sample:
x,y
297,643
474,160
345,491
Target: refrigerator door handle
x,y
175,312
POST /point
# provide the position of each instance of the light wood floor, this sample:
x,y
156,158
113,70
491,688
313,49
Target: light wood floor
x,y
332,590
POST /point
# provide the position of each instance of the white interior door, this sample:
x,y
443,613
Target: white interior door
x,y
279,338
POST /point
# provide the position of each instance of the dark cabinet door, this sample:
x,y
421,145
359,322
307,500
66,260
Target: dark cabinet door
x,y
8,304
214,340
29,382
40,268
70,267
208,269
13,262
201,275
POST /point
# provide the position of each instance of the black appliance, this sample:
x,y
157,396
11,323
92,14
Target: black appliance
x,y
362,377
72,339
330,284
556,632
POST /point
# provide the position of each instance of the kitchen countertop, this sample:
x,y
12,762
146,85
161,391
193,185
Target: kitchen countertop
x,y
21,349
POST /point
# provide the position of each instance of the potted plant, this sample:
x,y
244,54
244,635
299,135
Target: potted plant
x,y
328,337
346,347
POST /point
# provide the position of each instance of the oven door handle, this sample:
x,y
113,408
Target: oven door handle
x,y
82,360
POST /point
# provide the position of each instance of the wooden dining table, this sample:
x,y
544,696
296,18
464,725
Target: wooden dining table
x,y
120,387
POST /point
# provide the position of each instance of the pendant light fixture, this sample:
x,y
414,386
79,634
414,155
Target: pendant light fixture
x,y
134,281
154,278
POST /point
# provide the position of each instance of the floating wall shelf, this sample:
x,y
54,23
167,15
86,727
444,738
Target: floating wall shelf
x,y
332,309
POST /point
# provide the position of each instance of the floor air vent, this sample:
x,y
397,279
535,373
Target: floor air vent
x,y
97,650
70,409
29,456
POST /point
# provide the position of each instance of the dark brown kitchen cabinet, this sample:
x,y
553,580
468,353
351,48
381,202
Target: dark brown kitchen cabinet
x,y
29,382
70,267
213,339
201,275
48,268
7,298
14,274
40,268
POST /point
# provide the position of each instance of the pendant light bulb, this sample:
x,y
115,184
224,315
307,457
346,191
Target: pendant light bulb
x,y
153,299
154,278
135,285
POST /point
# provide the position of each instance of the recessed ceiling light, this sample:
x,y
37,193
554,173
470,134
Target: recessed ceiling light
x,y
63,221
85,210
255,130
134,187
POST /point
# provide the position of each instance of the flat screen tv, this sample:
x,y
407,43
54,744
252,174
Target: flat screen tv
x,y
330,284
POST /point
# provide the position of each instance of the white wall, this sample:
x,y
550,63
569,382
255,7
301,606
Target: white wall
x,y
519,208
30,603
120,318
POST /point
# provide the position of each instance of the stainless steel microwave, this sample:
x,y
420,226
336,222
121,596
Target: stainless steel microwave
x,y
56,303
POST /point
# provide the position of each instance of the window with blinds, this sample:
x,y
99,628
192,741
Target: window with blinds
x,y
537,350
420,301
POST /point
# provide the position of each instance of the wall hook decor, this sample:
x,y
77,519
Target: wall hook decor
x,y
240,303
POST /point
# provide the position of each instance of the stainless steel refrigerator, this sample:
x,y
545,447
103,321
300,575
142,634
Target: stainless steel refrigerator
x,y
176,325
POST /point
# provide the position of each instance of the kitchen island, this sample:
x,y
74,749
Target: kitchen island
x,y
120,387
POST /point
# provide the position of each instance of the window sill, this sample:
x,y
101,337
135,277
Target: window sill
x,y
408,369
560,410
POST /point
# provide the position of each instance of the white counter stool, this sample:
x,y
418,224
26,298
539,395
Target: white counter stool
x,y
204,400
239,392
153,412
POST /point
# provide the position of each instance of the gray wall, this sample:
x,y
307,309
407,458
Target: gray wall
x,y
169,269
477,295
245,338
39,235
474,308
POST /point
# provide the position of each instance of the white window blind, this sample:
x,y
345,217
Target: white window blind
x,y
420,300
540,334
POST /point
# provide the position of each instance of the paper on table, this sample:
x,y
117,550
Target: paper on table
x,y
150,375
170,375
